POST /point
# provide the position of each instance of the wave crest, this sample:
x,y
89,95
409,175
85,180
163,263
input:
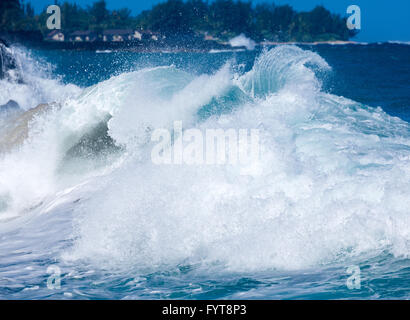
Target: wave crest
x,y
284,66
331,183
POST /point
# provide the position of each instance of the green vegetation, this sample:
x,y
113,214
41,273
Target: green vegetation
x,y
223,19
15,16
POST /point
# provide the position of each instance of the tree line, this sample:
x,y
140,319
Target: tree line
x,y
222,19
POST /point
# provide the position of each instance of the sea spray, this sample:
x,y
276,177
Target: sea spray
x,y
311,200
330,185
31,82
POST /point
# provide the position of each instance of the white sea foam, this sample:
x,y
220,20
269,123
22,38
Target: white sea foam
x,y
37,84
400,42
242,41
331,183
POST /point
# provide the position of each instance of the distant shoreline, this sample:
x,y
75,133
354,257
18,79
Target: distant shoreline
x,y
194,46
336,42
204,47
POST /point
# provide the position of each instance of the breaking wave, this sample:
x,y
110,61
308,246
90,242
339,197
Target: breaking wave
x,y
32,83
331,183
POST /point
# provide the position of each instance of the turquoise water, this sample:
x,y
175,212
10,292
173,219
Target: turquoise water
x,y
330,190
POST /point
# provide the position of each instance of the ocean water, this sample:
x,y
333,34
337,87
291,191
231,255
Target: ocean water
x,y
86,214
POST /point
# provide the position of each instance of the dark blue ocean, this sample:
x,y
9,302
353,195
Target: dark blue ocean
x,y
324,213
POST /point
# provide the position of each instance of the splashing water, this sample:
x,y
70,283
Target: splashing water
x,y
330,187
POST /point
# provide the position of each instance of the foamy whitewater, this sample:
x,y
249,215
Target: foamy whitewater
x,y
330,189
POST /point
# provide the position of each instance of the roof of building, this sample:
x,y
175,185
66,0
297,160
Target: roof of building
x,y
82,33
118,31
53,33
146,31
